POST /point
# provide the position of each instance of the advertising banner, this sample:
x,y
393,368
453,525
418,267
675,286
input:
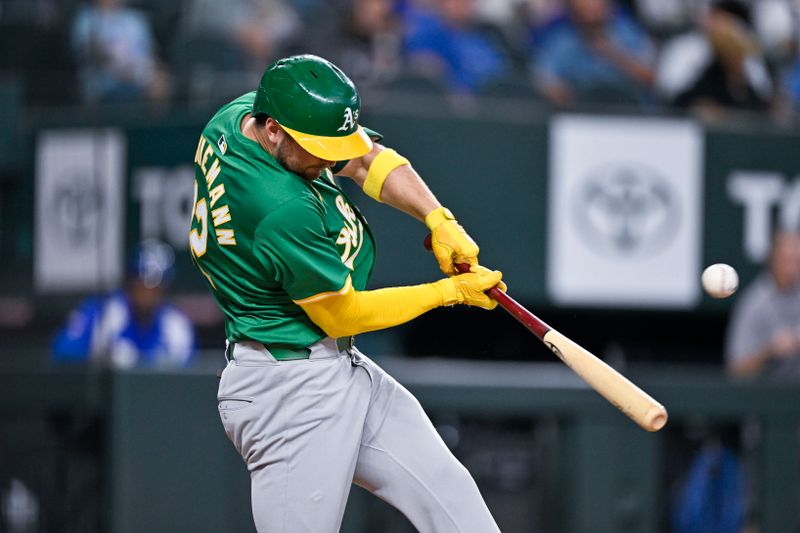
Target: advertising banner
x,y
80,202
624,217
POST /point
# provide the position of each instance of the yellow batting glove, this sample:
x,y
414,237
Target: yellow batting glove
x,y
500,284
449,241
470,288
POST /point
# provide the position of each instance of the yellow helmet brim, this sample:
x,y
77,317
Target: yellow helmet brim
x,y
343,148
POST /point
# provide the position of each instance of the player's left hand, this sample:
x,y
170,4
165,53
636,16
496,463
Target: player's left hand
x,y
449,241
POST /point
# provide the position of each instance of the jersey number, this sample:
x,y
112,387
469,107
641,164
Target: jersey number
x,y
199,241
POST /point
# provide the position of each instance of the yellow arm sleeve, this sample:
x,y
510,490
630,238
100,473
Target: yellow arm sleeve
x,y
351,312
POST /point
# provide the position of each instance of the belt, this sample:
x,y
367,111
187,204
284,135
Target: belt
x,y
345,343
286,353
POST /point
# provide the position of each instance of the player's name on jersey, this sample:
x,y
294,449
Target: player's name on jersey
x,y
211,170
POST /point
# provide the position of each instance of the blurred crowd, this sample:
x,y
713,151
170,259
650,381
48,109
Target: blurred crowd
x,y
708,56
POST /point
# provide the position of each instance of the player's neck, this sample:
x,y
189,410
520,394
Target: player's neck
x,y
251,129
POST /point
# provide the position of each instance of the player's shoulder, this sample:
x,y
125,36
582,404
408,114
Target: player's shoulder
x,y
302,210
269,190
302,206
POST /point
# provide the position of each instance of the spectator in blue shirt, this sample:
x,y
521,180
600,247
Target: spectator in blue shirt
x,y
132,327
593,49
448,43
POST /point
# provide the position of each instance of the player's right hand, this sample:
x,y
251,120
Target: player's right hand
x,y
471,287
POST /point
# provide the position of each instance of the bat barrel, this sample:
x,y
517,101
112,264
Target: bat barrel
x,y
610,384
655,418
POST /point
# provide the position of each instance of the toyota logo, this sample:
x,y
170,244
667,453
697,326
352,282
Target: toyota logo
x,y
76,210
627,209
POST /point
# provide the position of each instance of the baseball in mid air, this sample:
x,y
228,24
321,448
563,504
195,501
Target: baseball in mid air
x,y
720,280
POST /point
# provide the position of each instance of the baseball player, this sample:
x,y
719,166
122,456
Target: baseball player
x,y
287,256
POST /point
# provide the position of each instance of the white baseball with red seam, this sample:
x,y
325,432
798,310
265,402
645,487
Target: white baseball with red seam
x,y
720,280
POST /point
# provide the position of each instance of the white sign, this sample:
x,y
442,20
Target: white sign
x,y
79,210
624,225
165,196
759,192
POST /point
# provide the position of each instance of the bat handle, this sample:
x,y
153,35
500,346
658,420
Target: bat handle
x,y
494,292
462,267
428,242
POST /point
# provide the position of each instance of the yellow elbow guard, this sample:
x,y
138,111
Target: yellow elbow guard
x,y
386,161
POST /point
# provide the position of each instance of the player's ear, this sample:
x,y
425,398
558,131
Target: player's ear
x,y
273,130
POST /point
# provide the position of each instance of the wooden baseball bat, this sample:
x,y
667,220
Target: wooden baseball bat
x,y
610,384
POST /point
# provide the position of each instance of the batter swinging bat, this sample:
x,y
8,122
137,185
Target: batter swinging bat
x,y
613,386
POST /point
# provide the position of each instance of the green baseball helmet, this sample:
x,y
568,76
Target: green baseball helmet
x,y
317,104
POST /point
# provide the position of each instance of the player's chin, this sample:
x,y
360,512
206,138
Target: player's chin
x,y
312,173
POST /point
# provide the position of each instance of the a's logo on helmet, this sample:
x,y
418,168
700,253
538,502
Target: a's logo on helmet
x,y
350,119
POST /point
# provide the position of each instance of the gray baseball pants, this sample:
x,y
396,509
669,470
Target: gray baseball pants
x,y
307,429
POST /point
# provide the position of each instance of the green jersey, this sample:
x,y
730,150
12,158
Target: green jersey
x,y
265,238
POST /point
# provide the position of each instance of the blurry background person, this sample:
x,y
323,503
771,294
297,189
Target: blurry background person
x,y
365,41
446,42
237,35
133,326
763,338
776,24
717,67
593,52
663,18
115,53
